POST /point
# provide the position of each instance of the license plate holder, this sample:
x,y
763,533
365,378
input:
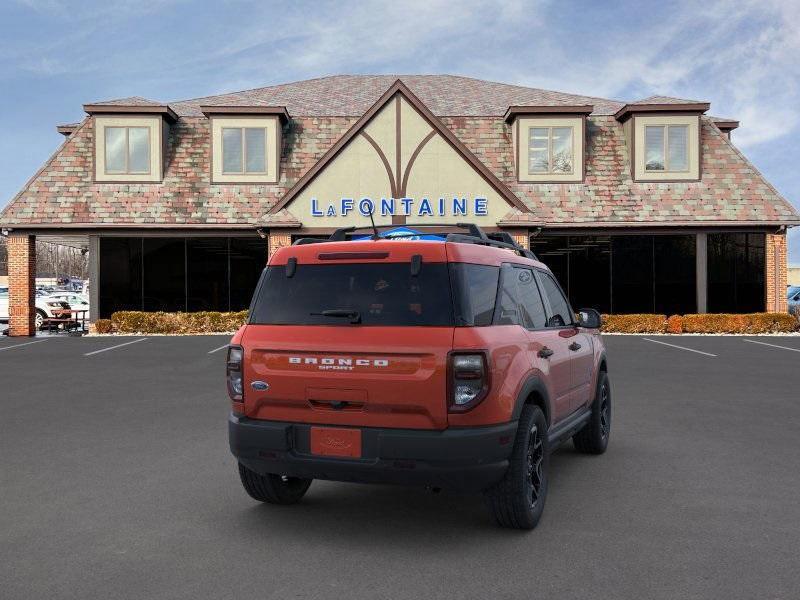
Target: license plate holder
x,y
336,441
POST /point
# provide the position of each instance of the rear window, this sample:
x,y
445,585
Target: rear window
x,y
381,293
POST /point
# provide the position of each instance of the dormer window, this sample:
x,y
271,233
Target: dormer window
x,y
244,150
548,142
130,140
245,143
666,148
550,150
127,150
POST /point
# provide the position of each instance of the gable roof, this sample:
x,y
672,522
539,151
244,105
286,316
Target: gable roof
x,y
398,87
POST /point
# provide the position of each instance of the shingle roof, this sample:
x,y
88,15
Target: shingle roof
x,y
352,95
63,193
130,101
665,100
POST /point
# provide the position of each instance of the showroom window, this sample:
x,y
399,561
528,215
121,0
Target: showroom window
x,y
736,265
178,274
244,150
550,150
623,274
666,147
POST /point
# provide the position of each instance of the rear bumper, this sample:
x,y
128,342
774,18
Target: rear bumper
x,y
466,459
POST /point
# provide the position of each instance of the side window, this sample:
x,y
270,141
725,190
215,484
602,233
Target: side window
x,y
474,291
520,302
532,307
508,310
560,312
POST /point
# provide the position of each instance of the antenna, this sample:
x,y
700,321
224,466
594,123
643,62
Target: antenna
x,y
375,235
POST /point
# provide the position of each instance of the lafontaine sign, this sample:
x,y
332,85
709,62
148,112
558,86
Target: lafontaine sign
x,y
409,207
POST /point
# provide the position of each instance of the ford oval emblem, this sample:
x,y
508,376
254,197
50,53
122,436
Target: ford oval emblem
x,y
262,386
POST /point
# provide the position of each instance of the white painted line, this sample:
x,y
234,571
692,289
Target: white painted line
x,y
113,347
680,347
772,345
20,345
218,349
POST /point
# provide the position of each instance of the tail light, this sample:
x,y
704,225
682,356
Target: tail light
x,y
234,373
468,380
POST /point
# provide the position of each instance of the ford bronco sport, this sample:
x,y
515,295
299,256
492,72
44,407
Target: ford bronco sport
x,y
455,364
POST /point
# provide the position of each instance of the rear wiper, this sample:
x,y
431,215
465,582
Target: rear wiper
x,y
341,313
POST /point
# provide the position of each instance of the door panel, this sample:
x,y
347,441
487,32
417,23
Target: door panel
x,y
556,368
581,363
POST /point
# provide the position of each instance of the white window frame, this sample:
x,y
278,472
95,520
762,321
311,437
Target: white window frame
x,y
665,148
521,138
272,133
550,170
243,129
127,129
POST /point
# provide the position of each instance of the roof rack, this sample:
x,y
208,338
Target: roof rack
x,y
474,235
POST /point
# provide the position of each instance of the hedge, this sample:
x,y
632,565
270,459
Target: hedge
x,y
220,322
707,323
163,322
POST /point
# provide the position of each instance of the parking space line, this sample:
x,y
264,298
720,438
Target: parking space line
x,y
20,345
114,347
772,345
218,349
680,347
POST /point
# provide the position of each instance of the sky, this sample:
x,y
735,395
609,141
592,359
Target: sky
x,y
739,55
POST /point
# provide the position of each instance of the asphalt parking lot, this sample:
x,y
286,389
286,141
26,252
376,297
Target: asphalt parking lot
x,y
116,482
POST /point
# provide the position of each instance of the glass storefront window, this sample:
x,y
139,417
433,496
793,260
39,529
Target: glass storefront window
x,y
736,272
623,274
178,274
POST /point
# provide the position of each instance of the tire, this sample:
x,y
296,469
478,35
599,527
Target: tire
x,y
593,438
39,318
517,501
273,489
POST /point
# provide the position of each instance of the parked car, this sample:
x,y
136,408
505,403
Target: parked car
x,y
75,300
793,296
47,307
360,362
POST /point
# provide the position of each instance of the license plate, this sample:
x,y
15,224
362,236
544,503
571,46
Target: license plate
x,y
331,441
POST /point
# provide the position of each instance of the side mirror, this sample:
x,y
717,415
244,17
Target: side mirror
x,y
589,318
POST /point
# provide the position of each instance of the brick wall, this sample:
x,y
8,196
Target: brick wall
x,y
776,273
21,284
279,238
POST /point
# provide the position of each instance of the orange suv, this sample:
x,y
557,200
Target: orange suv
x,y
450,364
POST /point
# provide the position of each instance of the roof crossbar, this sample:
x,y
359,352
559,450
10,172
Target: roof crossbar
x,y
474,235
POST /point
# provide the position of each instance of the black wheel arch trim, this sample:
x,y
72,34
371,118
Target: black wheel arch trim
x,y
533,384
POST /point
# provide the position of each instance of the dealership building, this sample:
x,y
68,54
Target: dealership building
x,y
640,206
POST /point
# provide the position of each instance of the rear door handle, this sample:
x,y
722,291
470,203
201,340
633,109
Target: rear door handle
x,y
545,352
574,346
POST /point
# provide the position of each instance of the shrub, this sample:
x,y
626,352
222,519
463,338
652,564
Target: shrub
x,y
163,322
634,323
747,323
103,326
675,324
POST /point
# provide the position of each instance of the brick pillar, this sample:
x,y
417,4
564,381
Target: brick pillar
x,y
776,271
278,238
21,284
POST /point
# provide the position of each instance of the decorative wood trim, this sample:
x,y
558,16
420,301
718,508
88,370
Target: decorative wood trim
x,y
279,111
131,109
630,109
399,87
384,160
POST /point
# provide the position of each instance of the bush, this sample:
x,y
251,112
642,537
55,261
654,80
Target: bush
x,y
634,323
163,322
748,323
675,324
103,326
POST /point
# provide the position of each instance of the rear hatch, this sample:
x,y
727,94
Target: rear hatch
x,y
354,338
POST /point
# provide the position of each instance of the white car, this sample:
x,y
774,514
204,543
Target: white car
x,y
47,307
75,300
